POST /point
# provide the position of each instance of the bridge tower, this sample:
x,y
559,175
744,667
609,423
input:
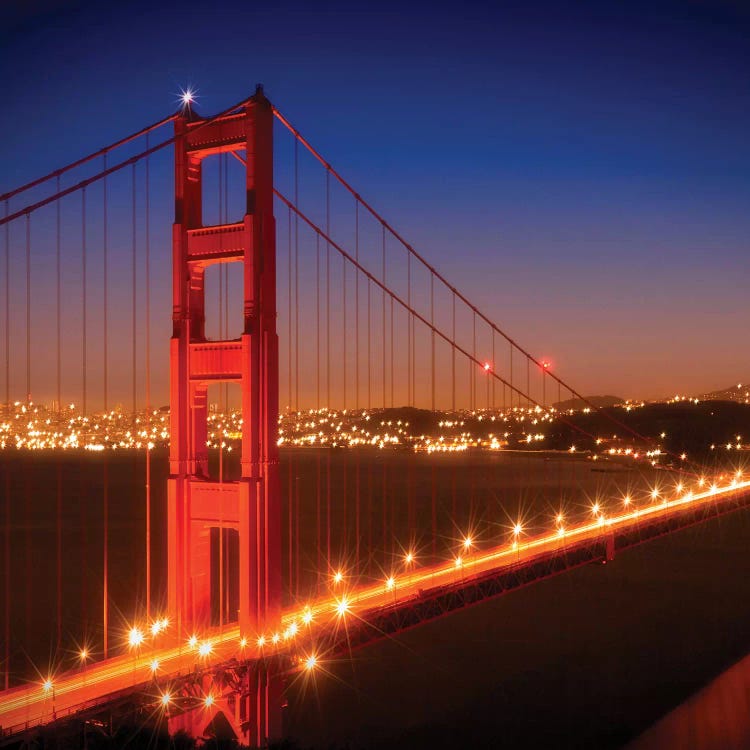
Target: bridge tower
x,y
197,502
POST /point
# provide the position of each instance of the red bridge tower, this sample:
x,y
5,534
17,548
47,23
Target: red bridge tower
x,y
197,503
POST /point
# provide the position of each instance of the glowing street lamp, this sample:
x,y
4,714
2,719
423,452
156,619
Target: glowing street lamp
x,y
135,637
187,97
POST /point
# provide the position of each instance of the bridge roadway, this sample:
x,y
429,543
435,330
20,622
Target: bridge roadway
x,y
84,688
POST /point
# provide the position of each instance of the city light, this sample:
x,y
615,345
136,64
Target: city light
x,y
311,662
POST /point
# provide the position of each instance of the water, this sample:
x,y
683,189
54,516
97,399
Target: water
x,y
590,657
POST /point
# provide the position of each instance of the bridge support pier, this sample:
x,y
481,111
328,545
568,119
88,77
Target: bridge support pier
x,y
247,710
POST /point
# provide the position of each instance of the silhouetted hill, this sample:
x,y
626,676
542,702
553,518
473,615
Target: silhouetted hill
x,y
687,427
597,401
740,393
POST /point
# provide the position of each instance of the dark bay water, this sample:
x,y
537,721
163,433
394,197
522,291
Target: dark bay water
x,y
585,660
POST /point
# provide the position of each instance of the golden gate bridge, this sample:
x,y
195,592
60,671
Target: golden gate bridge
x,y
270,575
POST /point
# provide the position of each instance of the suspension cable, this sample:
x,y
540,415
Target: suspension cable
x,y
101,152
418,316
330,170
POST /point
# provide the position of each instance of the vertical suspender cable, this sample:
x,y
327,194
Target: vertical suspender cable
x,y
290,336
296,344
147,360
317,321
58,526
7,312
392,378
105,497
83,296
28,307
492,331
224,556
59,302
453,358
409,363
7,573
343,324
7,470
369,345
289,488
133,322
356,306
289,312
296,352
432,322
344,495
317,401
488,371
383,295
356,376
472,365
84,484
328,360
296,277
328,292
528,383
27,494
221,416
104,283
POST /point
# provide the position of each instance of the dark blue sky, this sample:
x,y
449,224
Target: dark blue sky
x,y
583,174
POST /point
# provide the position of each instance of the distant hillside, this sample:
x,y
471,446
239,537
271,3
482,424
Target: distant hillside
x,y
739,393
685,427
578,404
